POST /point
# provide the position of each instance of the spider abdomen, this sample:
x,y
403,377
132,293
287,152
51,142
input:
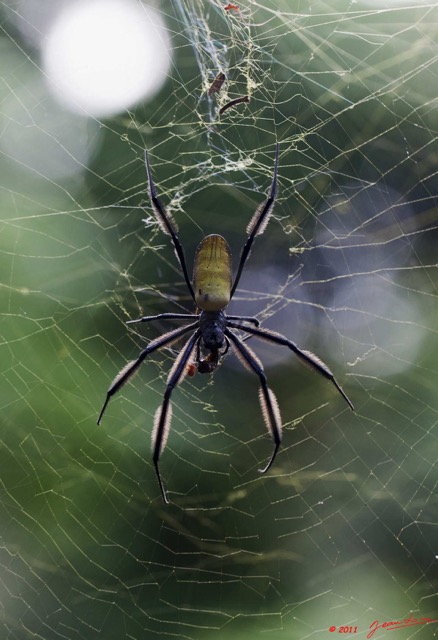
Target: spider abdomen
x,y
212,273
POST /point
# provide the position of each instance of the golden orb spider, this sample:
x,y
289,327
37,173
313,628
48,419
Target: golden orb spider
x,y
212,331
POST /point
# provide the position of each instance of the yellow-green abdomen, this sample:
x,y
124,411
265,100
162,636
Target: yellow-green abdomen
x,y
212,273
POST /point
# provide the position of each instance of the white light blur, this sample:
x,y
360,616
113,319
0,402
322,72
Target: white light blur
x,y
103,56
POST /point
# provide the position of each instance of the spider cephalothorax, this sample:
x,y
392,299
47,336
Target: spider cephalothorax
x,y
213,330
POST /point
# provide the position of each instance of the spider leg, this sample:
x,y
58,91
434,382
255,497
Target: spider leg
x,y
163,316
227,347
129,369
167,224
307,357
250,319
163,415
268,401
258,223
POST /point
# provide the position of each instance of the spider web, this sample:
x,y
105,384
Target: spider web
x,y
342,531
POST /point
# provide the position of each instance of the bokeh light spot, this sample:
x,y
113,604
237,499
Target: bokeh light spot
x,y
103,56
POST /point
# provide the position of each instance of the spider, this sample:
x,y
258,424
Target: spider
x,y
212,331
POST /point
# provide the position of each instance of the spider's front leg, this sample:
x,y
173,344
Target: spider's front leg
x,y
167,225
258,223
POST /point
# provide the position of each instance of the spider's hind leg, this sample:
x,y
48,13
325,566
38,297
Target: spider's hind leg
x,y
163,414
268,401
307,357
128,371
